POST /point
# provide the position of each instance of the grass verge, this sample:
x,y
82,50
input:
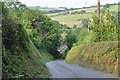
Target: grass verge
x,y
101,56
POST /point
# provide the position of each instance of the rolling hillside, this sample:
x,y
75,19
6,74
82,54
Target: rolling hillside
x,y
71,19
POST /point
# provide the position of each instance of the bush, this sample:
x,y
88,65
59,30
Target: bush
x,y
82,11
85,37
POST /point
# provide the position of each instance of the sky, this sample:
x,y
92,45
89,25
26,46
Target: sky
x,y
65,3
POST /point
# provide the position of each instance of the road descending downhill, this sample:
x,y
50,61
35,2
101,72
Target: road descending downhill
x,y
60,69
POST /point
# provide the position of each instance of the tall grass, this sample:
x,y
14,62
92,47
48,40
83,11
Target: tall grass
x,y
103,56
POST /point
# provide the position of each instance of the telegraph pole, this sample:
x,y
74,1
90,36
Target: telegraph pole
x,y
98,9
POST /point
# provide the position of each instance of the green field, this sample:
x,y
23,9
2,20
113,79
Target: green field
x,y
114,8
71,19
46,9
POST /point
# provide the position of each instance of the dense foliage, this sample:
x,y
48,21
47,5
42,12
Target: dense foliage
x,y
105,28
36,24
24,30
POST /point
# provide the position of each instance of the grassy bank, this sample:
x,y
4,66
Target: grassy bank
x,y
27,65
101,56
39,58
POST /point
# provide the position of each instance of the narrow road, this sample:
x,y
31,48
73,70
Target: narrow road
x,y
60,69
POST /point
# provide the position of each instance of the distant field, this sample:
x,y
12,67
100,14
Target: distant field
x,y
46,9
87,10
114,8
71,19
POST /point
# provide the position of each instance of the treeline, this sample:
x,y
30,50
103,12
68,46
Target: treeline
x,y
22,26
71,13
52,11
101,5
39,27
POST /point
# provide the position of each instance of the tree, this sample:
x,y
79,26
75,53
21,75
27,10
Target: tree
x,y
85,22
106,28
107,6
74,26
82,11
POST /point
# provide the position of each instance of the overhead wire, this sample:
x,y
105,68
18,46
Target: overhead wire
x,y
85,6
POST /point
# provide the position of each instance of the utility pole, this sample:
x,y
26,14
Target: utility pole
x,y
98,9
